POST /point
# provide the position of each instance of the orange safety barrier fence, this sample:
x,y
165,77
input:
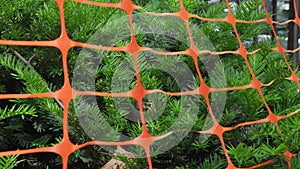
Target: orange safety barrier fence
x,y
67,93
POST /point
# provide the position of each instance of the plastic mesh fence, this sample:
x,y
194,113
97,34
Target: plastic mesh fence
x,y
65,148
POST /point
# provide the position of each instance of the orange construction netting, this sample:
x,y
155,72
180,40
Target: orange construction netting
x,y
65,148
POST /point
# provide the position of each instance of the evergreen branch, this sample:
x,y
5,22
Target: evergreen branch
x,y
2,88
33,82
9,162
21,110
27,62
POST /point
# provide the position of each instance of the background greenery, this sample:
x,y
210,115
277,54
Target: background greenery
x,y
29,123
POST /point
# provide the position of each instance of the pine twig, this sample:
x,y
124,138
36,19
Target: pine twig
x,y
27,62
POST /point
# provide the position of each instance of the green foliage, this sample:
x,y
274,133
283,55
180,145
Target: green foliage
x,y
243,155
38,122
159,6
133,163
13,111
248,11
84,20
2,88
213,162
290,132
9,162
29,17
295,162
33,81
246,156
